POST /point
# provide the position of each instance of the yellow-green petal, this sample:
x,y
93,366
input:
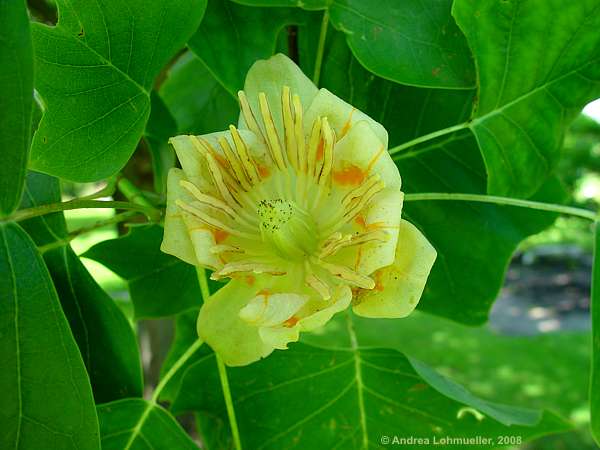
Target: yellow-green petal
x,y
176,239
270,76
399,286
219,325
341,116
268,310
340,300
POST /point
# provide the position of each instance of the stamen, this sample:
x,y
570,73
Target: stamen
x,y
245,266
249,116
329,142
242,151
360,190
288,127
348,275
234,163
351,240
207,199
218,178
299,131
209,220
313,146
222,248
316,283
359,203
272,137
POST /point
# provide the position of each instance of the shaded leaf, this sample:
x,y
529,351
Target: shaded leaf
x,y
105,338
137,424
161,126
197,101
16,97
530,86
595,311
160,284
412,42
47,399
95,70
228,43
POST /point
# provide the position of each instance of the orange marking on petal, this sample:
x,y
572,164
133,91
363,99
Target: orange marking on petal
x,y
263,171
349,175
250,279
264,292
360,221
378,281
220,159
220,235
375,159
291,322
347,125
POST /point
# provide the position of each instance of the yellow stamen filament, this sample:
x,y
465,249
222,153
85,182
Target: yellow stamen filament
x,y
217,175
348,275
313,146
209,220
360,190
234,162
244,266
272,137
328,144
246,159
316,283
288,127
249,116
299,132
222,248
358,204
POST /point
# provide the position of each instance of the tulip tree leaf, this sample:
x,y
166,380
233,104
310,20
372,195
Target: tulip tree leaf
x,y
227,41
413,42
196,100
357,395
471,238
595,310
530,86
106,341
161,126
95,72
16,97
47,399
120,427
160,284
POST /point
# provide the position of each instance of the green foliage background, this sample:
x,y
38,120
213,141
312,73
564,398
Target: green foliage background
x,y
476,96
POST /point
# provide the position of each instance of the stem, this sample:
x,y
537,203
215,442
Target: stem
x,y
74,234
321,47
428,137
157,391
132,193
205,291
23,214
551,207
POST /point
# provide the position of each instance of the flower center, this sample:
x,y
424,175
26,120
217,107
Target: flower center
x,y
288,228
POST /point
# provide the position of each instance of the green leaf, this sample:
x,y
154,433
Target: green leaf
x,y
160,284
306,397
536,69
95,70
198,102
119,427
161,126
474,239
232,37
595,310
413,42
105,338
16,97
47,399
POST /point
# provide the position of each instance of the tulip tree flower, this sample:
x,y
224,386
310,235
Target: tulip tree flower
x,y
299,207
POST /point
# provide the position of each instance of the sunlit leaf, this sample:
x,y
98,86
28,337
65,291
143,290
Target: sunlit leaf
x,y
95,70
